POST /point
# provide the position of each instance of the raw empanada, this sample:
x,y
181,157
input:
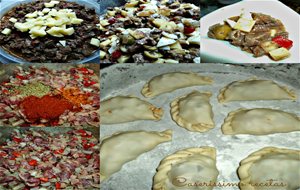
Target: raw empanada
x,y
169,82
123,147
260,121
122,109
185,167
193,111
254,89
270,165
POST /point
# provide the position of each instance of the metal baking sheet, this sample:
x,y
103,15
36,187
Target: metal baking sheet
x,y
128,79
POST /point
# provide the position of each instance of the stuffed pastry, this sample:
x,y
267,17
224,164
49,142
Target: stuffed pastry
x,y
121,109
193,111
169,82
274,168
260,121
123,147
185,167
255,89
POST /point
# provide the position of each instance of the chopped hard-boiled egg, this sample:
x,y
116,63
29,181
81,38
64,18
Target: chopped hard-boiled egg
x,y
6,31
53,20
244,24
46,10
63,42
76,21
280,53
32,15
13,20
95,42
21,26
38,32
102,54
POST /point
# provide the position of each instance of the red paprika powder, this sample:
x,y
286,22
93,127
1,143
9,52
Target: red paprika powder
x,y
48,107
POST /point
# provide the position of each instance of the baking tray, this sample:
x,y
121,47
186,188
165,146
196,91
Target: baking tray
x,y
7,131
128,79
7,70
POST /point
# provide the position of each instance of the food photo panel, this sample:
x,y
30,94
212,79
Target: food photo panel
x,y
51,94
251,32
200,126
49,158
49,31
150,31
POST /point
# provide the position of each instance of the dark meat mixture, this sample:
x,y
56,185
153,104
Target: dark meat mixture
x,y
261,32
48,48
42,160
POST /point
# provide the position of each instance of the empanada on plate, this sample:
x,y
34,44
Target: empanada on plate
x,y
189,166
193,111
123,147
277,166
255,89
169,82
260,121
121,109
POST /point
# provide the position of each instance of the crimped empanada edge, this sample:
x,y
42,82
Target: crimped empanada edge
x,y
226,126
182,122
245,164
166,163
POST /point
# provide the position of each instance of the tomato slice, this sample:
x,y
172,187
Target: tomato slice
x,y
57,185
32,162
17,140
16,154
44,179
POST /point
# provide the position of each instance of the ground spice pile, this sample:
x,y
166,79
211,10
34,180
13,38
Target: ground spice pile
x,y
32,89
75,96
47,108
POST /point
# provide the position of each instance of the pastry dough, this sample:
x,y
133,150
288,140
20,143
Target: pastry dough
x,y
282,166
123,147
254,89
260,121
169,82
185,168
193,111
122,109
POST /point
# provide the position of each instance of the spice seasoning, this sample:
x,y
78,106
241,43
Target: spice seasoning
x,y
75,96
33,89
48,107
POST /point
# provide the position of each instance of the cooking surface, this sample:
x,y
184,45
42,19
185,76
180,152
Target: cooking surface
x,y
128,79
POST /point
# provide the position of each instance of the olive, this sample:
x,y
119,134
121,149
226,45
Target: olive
x,y
123,59
152,48
152,55
127,39
222,31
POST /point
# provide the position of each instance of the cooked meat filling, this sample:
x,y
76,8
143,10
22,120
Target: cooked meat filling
x,y
257,33
150,31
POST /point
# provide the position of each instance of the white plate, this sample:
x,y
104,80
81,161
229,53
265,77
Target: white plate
x,y
222,51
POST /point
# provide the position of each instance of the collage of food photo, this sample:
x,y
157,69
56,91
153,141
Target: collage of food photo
x,y
149,94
